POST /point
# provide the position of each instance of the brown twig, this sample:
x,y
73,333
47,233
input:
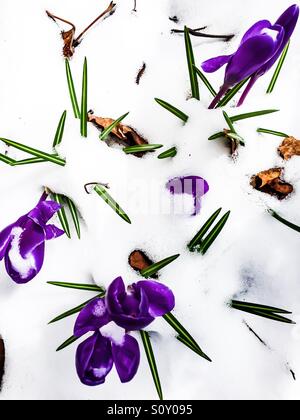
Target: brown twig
x,y
54,18
196,32
134,6
140,73
109,10
94,184
256,335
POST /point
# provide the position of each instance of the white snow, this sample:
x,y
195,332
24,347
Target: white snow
x,y
20,264
256,258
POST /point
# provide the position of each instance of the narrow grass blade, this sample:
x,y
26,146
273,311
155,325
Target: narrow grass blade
x,y
78,286
74,310
196,241
34,152
142,148
229,122
184,334
232,134
273,317
218,135
278,69
262,311
284,221
72,91
101,191
235,136
60,130
152,362
194,349
170,153
154,268
29,161
75,215
205,81
7,160
254,114
191,64
231,94
272,132
84,98
256,307
179,114
62,214
212,236
67,343
105,133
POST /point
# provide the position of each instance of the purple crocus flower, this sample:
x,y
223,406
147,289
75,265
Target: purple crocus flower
x,y
260,48
22,244
137,308
195,186
132,310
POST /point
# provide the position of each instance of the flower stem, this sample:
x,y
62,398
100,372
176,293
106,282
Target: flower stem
x,y
247,90
224,89
109,9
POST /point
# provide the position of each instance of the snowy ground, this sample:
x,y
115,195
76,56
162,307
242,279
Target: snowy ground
x,y
256,258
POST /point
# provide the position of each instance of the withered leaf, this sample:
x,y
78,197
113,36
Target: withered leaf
x,y
232,143
70,42
270,182
68,38
2,360
139,261
289,147
124,134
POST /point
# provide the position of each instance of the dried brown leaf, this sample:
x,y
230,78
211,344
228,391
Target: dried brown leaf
x,y
68,38
2,360
270,182
126,135
233,144
139,261
289,147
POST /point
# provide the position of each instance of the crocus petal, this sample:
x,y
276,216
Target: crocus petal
x,y
288,20
124,310
92,317
192,185
22,270
94,360
249,86
115,293
25,254
5,237
132,323
43,212
161,298
251,56
214,64
52,232
32,236
126,358
256,29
